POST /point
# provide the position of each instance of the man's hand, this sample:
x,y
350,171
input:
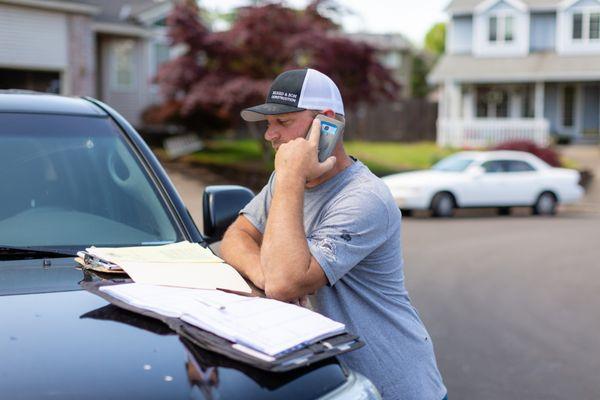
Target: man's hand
x,y
299,157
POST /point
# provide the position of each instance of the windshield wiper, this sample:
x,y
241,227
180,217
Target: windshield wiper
x,y
28,253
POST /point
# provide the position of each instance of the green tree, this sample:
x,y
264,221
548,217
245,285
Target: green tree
x,y
435,40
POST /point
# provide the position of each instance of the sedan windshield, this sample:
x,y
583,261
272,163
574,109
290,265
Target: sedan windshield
x,y
74,181
453,164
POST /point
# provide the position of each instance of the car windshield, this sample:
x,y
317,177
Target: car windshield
x,y
453,164
73,181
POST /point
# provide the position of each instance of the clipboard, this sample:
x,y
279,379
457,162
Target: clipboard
x,y
307,355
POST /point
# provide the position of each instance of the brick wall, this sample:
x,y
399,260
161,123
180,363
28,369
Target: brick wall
x,y
81,55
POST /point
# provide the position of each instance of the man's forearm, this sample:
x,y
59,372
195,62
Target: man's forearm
x,y
285,257
240,251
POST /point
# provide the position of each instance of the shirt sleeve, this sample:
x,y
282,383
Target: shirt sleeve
x,y
257,210
349,231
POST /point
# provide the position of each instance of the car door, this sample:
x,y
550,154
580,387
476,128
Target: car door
x,y
486,186
521,181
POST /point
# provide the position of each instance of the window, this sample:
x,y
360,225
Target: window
x,y
493,29
455,163
123,64
518,166
161,55
577,26
595,26
508,28
493,167
391,59
501,29
586,26
568,106
501,104
492,102
48,161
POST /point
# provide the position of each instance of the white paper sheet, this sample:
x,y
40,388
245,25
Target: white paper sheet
x,y
187,275
265,325
169,253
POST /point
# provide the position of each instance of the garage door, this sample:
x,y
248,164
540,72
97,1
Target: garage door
x,y
34,39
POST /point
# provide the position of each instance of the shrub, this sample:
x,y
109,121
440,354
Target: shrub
x,y
545,153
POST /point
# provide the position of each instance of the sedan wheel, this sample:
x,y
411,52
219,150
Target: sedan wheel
x,y
442,205
545,204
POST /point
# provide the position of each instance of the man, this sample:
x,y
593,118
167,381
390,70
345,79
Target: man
x,y
332,229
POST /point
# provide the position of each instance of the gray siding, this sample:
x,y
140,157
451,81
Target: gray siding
x,y
461,38
542,32
591,104
551,105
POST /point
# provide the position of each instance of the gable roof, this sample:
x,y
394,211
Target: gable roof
x,y
468,6
120,10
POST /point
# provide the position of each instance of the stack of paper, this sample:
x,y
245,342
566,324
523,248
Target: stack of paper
x,y
183,264
268,327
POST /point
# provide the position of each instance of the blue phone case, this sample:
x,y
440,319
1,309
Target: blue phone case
x,y
331,131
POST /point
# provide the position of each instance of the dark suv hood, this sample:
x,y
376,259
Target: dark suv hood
x,y
73,344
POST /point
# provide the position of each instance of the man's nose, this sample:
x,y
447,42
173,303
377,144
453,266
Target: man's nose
x,y
271,134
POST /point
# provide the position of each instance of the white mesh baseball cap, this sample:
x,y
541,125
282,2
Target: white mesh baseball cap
x,y
298,90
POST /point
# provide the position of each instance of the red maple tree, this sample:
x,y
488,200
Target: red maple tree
x,y
220,73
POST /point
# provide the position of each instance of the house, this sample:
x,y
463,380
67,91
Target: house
x,y
108,49
395,52
525,69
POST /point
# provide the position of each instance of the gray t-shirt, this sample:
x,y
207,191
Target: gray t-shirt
x,y
352,226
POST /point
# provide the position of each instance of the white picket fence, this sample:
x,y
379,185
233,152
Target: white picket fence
x,y
486,132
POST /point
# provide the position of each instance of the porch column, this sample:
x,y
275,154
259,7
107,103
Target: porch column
x,y
538,112
469,103
454,105
454,98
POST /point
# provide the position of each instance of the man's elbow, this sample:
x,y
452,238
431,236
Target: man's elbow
x,y
283,291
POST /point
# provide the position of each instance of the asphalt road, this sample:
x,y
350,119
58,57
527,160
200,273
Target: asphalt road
x,y
511,303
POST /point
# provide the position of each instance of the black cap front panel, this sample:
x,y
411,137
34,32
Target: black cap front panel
x,y
287,87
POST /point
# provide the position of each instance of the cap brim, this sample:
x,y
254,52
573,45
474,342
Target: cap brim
x,y
260,112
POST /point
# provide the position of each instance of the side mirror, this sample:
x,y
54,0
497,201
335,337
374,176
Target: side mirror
x,y
220,207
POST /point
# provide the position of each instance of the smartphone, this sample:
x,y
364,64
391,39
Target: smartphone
x,y
331,131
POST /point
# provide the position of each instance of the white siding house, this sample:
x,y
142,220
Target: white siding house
x,y
108,49
520,69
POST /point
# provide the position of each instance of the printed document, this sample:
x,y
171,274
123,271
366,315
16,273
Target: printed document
x,y
268,326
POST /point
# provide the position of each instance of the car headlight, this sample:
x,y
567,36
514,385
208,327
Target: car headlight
x,y
357,387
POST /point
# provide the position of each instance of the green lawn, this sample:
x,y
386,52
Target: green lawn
x,y
226,152
389,157
381,157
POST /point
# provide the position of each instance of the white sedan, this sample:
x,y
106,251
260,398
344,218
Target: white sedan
x,y
500,179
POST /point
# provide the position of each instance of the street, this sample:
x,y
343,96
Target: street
x,y
511,302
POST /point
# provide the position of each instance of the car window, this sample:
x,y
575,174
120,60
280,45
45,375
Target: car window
x,y
453,164
518,166
493,166
74,181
